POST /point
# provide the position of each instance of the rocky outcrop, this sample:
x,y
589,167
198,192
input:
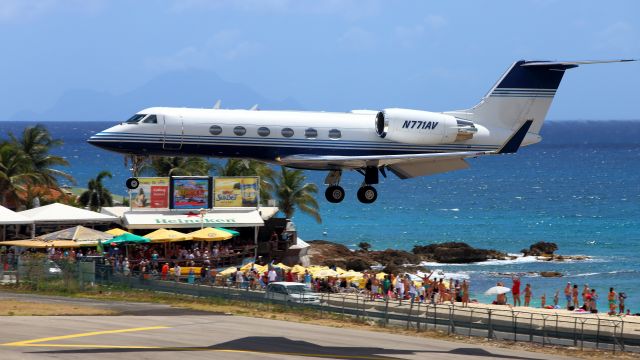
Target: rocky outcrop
x,y
550,274
541,248
456,253
327,253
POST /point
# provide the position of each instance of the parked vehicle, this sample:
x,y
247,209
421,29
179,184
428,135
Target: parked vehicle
x,y
291,292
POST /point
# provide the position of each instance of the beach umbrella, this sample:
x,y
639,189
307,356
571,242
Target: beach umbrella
x,y
381,275
298,269
247,267
351,275
283,266
35,243
116,231
209,234
497,290
232,232
127,238
340,270
228,271
325,273
164,235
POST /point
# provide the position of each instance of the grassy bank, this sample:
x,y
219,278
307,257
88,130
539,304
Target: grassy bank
x,y
296,314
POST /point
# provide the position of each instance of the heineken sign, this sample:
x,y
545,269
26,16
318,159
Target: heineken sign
x,y
196,221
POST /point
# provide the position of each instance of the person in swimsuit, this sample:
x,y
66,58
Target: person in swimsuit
x,y
567,295
515,290
527,295
612,301
574,294
464,289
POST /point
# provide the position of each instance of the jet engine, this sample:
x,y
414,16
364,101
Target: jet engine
x,y
422,127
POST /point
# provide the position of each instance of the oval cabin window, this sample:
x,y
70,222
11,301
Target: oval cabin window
x,y
311,133
215,130
264,131
287,132
335,134
239,130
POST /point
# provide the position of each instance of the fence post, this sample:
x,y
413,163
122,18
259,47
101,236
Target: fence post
x,y
452,324
622,334
418,318
531,328
435,316
598,333
344,298
470,322
409,315
514,321
490,326
575,332
386,311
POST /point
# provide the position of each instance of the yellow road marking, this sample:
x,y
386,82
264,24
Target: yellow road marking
x,y
72,336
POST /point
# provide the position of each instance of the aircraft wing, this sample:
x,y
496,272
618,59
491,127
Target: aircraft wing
x,y
404,165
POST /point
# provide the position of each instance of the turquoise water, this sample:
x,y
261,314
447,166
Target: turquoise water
x,y
579,188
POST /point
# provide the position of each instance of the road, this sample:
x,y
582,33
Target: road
x,y
159,332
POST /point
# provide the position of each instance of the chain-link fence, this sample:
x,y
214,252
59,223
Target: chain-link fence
x,y
606,332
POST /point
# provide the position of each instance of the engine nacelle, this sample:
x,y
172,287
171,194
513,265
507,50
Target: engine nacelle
x,y
422,127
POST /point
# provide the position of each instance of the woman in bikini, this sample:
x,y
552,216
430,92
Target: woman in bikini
x,y
527,295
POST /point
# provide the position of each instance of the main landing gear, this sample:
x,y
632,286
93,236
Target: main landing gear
x,y
367,194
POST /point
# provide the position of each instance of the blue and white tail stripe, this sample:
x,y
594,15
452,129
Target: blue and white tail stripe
x,y
520,92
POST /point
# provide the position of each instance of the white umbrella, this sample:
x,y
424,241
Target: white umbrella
x,y
497,290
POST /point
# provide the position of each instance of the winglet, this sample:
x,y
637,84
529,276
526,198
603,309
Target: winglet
x,y
513,144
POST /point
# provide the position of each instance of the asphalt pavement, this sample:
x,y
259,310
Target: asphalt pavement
x,y
152,331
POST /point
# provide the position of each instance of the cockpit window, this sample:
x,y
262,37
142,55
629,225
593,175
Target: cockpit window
x,y
135,118
151,119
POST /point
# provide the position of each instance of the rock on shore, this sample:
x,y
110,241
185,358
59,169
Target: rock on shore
x,y
541,248
457,253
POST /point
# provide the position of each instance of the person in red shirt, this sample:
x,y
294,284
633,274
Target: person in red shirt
x,y
515,290
165,271
289,276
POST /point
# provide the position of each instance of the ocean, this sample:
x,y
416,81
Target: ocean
x,y
579,188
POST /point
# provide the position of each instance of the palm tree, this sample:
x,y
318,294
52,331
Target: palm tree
x,y
238,167
35,143
177,166
15,174
292,192
96,195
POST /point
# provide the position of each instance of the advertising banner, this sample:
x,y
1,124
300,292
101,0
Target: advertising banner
x,y
152,193
190,192
236,191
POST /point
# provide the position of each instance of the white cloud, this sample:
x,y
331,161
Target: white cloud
x,y
19,11
356,38
225,45
436,21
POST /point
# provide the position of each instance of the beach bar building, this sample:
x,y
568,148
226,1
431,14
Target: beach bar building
x,y
13,220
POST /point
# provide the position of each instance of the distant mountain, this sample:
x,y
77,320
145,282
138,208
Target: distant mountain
x,y
181,88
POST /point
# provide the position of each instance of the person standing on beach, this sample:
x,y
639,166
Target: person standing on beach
x,y
612,301
556,299
464,288
386,286
515,290
621,297
527,295
543,300
585,292
574,294
594,301
567,295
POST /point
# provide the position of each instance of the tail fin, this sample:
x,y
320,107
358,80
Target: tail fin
x,y
523,93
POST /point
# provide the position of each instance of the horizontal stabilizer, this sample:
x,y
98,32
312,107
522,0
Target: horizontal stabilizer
x,y
574,63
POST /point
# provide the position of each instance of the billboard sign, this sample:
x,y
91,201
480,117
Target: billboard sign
x,y
236,191
190,192
152,193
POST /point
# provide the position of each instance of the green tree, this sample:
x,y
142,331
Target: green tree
x,y
96,195
292,192
177,166
36,142
15,173
238,167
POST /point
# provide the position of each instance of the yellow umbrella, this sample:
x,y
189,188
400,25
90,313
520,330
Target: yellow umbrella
x,y
298,269
283,266
35,243
164,235
228,271
381,275
247,267
116,232
325,273
351,275
340,270
209,234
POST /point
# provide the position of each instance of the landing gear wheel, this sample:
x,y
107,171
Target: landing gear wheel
x,y
367,194
334,194
132,183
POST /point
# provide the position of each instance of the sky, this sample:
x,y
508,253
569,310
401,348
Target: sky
x,y
333,55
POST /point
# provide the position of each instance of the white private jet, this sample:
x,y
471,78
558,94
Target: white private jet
x,y
408,143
